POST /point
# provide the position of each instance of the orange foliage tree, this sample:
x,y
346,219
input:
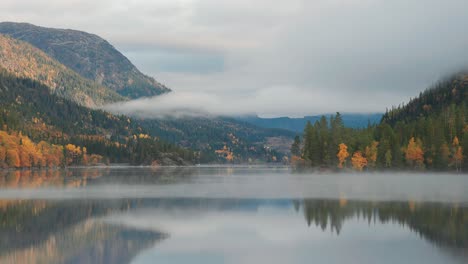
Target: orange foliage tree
x,y
358,161
2,155
342,155
13,159
457,154
226,153
18,151
414,153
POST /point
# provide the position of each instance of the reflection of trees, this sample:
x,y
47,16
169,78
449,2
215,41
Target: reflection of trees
x,y
445,225
81,177
41,178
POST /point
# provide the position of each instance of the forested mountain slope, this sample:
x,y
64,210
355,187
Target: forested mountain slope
x,y
27,106
26,61
447,93
90,56
429,132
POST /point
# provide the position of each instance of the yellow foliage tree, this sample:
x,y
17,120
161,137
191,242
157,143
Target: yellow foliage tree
x,y
73,154
414,153
342,155
18,151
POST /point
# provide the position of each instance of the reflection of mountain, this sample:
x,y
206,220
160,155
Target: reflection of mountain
x,y
87,242
442,224
27,224
65,232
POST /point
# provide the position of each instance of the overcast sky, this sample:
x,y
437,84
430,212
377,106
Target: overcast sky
x,y
294,57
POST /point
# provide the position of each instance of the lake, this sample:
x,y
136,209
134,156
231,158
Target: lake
x,y
240,214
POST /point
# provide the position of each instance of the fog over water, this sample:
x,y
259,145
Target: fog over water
x,y
255,182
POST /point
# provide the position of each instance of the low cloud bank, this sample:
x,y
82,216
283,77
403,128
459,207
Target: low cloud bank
x,y
272,102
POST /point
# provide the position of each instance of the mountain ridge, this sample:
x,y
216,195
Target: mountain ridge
x,y
90,56
24,60
297,124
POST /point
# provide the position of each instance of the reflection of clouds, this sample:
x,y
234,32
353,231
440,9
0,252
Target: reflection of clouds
x,y
271,235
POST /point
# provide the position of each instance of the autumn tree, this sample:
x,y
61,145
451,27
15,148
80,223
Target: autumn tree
x,y
414,153
358,161
457,154
2,155
342,155
12,158
72,154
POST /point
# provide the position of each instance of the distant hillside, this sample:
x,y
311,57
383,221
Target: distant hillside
x,y
25,60
298,124
90,56
245,141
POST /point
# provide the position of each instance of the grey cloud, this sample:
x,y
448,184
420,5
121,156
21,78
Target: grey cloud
x,y
326,55
179,62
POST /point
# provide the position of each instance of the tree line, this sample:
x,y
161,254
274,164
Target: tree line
x,y
18,151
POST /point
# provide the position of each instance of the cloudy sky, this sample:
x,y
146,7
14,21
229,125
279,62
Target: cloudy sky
x,y
272,57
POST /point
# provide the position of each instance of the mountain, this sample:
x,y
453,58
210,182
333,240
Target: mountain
x,y
298,124
27,108
83,68
25,60
90,56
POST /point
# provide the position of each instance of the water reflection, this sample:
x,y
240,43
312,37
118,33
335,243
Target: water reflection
x,y
82,177
174,230
230,215
441,224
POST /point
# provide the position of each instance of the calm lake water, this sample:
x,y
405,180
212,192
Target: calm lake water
x,y
231,215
